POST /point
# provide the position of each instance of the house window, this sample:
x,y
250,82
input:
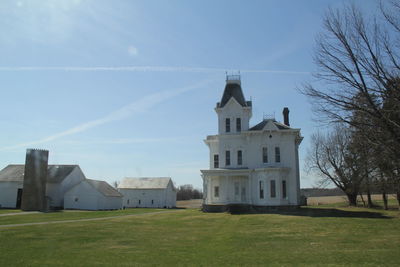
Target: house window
x,y
139,201
236,188
239,157
238,125
273,189
227,158
265,155
216,191
227,125
283,189
277,154
127,202
261,190
152,201
216,161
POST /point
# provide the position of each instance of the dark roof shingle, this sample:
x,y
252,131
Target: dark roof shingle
x,y
261,125
233,90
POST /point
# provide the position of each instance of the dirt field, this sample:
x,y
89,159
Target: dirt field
x,y
311,201
189,204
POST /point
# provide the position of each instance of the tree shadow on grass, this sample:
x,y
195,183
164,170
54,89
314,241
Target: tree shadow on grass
x,y
332,212
321,212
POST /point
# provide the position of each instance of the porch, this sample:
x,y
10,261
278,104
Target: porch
x,y
226,186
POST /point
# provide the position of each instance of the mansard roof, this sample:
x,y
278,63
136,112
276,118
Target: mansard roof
x,y
233,90
262,124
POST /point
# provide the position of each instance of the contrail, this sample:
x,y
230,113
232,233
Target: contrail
x,y
148,69
126,111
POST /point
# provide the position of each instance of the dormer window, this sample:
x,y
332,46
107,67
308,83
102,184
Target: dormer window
x,y
227,125
238,125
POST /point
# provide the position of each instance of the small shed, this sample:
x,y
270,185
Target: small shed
x,y
144,192
93,195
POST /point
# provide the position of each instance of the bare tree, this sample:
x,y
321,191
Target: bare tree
x,y
333,159
187,192
358,57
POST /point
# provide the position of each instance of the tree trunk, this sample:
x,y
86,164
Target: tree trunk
x,y
398,198
385,201
362,199
370,204
352,198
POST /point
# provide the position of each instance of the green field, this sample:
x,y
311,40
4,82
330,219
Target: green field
x,y
311,236
4,211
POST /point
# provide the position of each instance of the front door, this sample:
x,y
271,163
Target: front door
x,y
237,191
243,193
19,198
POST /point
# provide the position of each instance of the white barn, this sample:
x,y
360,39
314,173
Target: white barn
x,y
92,195
148,192
11,181
60,178
250,166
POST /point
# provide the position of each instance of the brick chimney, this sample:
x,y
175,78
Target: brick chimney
x,y
285,113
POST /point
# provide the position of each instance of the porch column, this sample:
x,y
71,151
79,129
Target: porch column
x,y
249,199
226,188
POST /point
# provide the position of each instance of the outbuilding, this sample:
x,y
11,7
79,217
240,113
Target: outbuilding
x,y
93,195
11,183
148,192
60,178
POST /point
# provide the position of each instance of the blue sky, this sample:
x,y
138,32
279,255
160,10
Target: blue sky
x,y
128,88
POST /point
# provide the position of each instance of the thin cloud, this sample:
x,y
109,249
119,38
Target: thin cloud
x,y
149,69
124,141
129,110
132,50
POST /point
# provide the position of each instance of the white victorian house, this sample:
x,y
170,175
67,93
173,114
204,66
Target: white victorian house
x,y
250,166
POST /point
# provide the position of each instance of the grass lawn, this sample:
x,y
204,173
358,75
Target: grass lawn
x,y
68,215
4,211
311,236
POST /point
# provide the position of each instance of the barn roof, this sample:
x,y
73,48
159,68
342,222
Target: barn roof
x,y
55,173
104,188
145,183
12,173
